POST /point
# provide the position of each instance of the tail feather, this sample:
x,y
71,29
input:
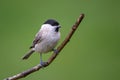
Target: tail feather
x,y
26,56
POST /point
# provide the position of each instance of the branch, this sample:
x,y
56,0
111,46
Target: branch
x,y
53,56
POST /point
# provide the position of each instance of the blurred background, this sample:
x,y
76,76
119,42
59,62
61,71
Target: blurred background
x,y
92,54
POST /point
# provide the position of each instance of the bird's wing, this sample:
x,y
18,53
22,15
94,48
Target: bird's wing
x,y
37,39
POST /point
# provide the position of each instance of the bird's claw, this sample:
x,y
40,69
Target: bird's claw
x,y
43,64
55,51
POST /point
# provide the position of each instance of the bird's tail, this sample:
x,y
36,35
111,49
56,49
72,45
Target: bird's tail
x,y
26,56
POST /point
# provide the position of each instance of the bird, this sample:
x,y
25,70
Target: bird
x,y
45,40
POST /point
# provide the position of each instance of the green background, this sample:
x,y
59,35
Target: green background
x,y
92,54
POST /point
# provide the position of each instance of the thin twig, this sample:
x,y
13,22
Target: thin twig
x,y
53,56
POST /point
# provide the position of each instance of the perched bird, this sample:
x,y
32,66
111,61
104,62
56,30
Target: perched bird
x,y
45,40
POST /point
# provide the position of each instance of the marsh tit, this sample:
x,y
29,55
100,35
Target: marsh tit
x,y
45,40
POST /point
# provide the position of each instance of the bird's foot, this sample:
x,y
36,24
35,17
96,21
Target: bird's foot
x,y
55,51
43,64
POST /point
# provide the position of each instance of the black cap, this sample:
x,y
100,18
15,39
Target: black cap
x,y
52,22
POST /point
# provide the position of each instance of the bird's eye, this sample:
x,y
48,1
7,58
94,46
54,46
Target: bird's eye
x,y
55,24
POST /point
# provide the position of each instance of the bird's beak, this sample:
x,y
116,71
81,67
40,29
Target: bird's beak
x,y
59,26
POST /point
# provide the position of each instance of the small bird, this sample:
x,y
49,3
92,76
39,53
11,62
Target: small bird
x,y
45,40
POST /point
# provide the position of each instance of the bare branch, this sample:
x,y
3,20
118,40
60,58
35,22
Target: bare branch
x,y
53,56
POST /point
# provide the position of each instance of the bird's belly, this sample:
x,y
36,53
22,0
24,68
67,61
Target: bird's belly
x,y
45,46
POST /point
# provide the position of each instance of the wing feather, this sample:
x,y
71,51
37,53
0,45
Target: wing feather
x,y
37,39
